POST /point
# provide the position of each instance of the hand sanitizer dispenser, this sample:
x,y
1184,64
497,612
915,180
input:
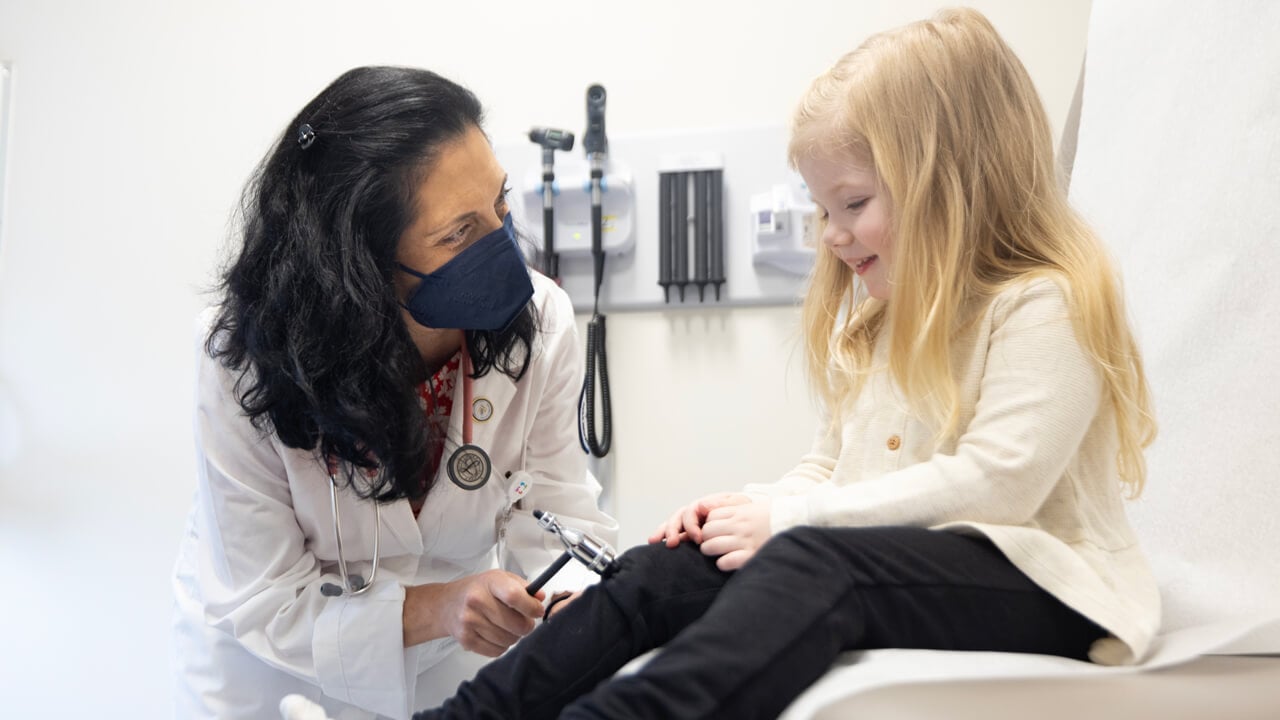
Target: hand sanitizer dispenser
x,y
782,229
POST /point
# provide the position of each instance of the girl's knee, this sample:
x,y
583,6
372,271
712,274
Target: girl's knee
x,y
656,566
647,579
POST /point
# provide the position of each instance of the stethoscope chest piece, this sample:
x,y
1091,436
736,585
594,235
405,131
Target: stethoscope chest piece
x,y
469,467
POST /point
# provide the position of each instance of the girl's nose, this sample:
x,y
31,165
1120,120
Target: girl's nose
x,y
834,236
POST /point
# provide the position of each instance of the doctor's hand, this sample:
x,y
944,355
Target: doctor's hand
x,y
736,532
686,523
486,613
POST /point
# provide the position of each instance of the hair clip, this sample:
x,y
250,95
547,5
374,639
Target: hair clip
x,y
306,136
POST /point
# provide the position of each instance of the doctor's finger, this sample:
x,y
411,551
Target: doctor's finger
x,y
476,643
503,618
496,635
509,590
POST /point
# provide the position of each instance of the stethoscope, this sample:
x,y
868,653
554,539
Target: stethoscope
x,y
352,584
469,467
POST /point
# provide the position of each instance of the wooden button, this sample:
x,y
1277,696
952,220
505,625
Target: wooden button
x,y
895,442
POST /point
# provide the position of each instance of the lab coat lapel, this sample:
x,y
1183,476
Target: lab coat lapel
x,y
491,402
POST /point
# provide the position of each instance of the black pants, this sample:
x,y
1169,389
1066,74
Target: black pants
x,y
745,644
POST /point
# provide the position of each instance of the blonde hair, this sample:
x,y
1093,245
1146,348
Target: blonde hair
x,y
949,119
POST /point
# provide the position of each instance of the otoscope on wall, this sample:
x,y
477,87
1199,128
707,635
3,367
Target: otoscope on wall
x,y
596,146
550,140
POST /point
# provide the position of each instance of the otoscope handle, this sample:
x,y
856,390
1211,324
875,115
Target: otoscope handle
x,y
597,246
551,258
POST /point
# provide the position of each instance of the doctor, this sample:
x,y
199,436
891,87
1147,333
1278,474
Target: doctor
x,y
383,397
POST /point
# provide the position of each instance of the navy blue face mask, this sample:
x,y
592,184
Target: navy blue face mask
x,y
482,288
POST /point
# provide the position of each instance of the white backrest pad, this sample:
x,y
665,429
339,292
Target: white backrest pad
x,y
1178,167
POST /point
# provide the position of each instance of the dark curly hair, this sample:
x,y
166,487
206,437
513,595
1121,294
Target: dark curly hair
x,y
309,318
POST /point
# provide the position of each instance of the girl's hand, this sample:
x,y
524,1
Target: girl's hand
x,y
486,613
736,532
686,523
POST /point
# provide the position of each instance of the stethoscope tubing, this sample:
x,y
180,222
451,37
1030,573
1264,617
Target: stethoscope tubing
x,y
349,587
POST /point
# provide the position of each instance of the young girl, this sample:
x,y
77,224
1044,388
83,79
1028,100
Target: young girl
x,y
986,409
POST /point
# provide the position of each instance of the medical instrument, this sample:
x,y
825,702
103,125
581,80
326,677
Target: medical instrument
x,y
550,140
591,551
782,233
469,468
690,193
715,231
596,146
665,181
678,200
352,584
547,574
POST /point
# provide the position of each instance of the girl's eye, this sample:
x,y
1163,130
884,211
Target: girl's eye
x,y
502,199
857,204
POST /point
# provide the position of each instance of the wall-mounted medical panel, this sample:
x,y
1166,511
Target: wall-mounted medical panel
x,y
731,179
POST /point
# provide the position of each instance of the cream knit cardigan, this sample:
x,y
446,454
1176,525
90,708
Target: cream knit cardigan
x,y
1033,469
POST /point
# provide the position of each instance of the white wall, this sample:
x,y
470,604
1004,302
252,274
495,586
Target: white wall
x,y
135,123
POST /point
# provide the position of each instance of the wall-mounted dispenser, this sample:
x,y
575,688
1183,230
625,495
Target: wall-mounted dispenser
x,y
782,233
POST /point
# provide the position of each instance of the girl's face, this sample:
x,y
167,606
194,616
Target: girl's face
x,y
849,196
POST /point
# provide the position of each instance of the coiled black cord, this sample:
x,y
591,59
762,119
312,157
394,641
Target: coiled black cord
x,y
597,359
596,355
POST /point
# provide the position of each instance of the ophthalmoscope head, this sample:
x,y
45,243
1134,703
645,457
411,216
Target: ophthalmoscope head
x,y
552,138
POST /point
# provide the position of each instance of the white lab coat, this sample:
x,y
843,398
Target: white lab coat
x,y
251,624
